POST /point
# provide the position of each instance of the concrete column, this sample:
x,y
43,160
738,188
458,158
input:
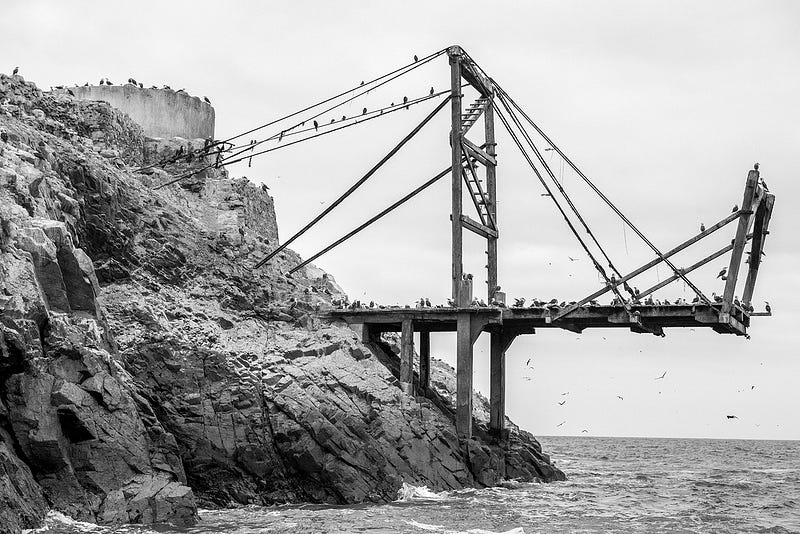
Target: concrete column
x,y
464,377
497,385
424,360
407,357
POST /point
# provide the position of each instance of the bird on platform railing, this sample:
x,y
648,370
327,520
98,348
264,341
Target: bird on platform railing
x,y
755,166
767,307
518,303
722,273
427,303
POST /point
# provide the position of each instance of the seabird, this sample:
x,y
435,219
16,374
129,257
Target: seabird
x,y
102,81
405,101
16,70
108,82
316,126
364,111
722,272
333,120
735,208
431,90
562,403
755,166
662,376
362,82
528,362
769,310
572,259
141,85
620,398
561,423
731,417
764,185
415,58
565,393
702,227
344,118
207,100
584,431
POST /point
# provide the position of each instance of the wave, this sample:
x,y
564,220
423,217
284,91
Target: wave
x,y
57,520
407,493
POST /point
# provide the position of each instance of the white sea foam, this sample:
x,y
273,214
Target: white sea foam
x,y
57,519
424,526
416,493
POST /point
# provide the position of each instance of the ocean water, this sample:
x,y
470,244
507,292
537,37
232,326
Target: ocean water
x,y
615,485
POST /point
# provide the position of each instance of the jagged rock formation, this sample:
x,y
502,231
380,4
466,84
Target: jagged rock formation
x,y
144,365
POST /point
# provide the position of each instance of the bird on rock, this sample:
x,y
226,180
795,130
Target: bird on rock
x,y
16,70
206,100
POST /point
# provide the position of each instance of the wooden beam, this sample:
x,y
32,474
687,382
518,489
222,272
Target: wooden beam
x,y
464,376
424,361
478,228
691,241
455,55
760,231
491,195
738,242
478,153
475,78
407,357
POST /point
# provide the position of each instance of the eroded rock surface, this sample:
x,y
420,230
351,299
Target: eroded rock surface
x,y
144,365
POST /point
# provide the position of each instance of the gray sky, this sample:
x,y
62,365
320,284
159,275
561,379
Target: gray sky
x,y
665,105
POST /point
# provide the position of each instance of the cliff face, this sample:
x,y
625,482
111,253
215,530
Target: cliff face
x,y
144,365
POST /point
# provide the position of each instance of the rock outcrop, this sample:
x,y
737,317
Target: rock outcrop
x,y
144,366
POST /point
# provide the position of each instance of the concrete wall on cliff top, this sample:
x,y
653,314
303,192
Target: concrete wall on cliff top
x,y
160,112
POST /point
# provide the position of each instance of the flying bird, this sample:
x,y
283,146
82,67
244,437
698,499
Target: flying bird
x,y
565,393
584,431
362,82
572,259
561,423
620,398
731,417
562,403
16,70
528,362
662,376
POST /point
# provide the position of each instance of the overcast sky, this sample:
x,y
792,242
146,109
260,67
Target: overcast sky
x,y
665,105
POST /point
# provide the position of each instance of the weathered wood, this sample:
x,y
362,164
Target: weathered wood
x,y
478,153
464,376
475,78
478,228
491,193
424,360
497,383
760,231
407,357
487,219
739,240
689,269
455,55
651,264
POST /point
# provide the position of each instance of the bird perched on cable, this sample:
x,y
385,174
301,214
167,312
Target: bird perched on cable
x,y
722,273
364,111
344,118
316,126
431,90
702,227
735,208
415,58
16,70
362,83
405,101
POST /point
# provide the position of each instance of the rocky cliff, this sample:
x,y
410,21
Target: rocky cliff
x,y
145,367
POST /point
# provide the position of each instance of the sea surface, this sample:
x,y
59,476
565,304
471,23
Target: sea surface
x,y
615,485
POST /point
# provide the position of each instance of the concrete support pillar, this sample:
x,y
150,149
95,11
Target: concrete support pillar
x,y
367,334
407,357
464,376
497,385
424,361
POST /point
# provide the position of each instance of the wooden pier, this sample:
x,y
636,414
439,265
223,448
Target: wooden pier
x,y
504,325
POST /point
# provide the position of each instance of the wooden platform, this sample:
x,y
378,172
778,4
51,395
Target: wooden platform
x,y
643,319
504,325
